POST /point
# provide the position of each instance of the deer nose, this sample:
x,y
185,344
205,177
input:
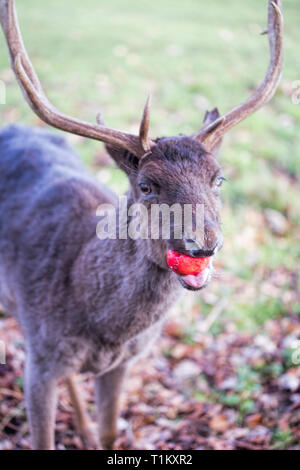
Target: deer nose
x,y
191,244
203,253
195,249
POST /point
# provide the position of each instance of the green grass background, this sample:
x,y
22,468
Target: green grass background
x,y
107,56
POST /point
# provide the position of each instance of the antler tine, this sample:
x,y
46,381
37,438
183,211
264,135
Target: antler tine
x,y
211,133
38,101
144,127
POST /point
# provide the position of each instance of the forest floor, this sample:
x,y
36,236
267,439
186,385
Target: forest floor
x,y
235,390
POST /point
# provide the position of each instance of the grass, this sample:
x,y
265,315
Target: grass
x,y
109,55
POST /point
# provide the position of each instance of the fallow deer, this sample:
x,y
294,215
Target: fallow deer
x,y
86,304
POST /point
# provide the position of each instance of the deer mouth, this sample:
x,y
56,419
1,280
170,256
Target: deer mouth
x,y
193,272
196,281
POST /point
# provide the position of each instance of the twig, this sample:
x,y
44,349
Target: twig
x,y
213,316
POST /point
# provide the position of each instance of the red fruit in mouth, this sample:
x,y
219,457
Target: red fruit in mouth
x,y
184,265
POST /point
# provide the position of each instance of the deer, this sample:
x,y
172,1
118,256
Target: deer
x,y
86,304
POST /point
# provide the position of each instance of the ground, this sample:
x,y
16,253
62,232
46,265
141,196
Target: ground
x,y
198,390
225,374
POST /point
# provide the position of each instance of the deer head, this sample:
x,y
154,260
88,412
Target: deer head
x,y
180,169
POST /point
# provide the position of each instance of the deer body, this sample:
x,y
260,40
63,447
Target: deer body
x,y
83,304
86,304
102,295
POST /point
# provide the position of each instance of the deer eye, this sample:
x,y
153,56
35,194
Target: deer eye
x,y
219,181
145,188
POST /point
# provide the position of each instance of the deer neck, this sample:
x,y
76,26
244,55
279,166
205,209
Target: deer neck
x,y
123,286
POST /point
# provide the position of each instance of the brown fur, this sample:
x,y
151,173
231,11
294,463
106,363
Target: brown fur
x,y
86,304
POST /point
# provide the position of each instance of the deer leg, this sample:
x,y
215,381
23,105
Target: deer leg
x,y
41,400
107,391
83,421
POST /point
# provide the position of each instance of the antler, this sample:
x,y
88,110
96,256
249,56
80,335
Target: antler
x,y
210,134
36,98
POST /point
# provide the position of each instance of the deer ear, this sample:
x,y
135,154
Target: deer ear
x,y
124,159
210,117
